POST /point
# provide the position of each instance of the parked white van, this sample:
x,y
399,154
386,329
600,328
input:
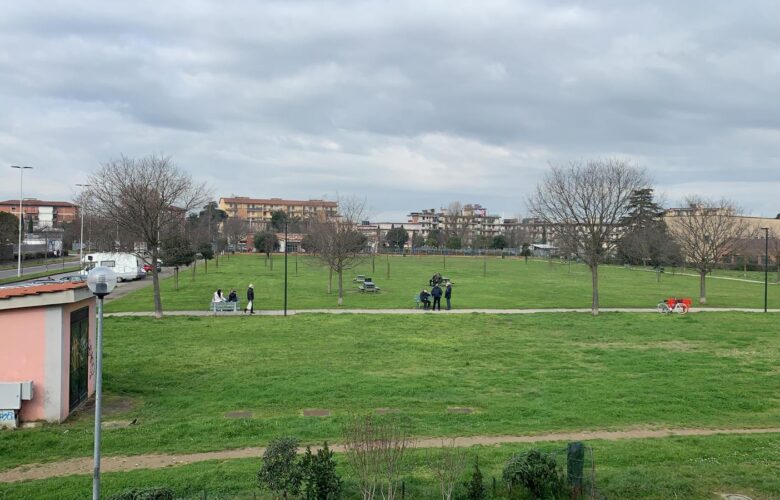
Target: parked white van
x,y
126,265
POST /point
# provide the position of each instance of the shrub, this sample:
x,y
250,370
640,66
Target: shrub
x,y
150,493
280,472
535,471
319,478
475,487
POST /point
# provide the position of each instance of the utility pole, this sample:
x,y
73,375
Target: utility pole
x,y
81,237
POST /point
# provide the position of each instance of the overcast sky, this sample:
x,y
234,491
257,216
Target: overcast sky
x,y
412,104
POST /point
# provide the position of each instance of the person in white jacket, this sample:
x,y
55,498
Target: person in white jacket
x,y
218,296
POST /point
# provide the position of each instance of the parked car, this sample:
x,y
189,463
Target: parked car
x,y
148,267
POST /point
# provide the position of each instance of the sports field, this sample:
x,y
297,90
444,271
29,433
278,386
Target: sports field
x,y
491,283
180,378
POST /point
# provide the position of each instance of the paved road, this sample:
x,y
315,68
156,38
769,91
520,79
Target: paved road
x,y
53,266
126,287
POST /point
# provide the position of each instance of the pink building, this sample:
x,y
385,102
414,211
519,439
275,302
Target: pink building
x,y
47,336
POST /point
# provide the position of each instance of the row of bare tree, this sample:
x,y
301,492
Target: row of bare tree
x,y
600,207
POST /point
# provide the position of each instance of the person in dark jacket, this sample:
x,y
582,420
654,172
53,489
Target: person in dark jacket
x,y
425,298
448,295
436,293
233,296
250,297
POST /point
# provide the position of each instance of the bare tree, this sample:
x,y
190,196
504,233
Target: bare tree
x,y
340,246
447,464
586,201
457,224
707,231
235,230
375,450
146,197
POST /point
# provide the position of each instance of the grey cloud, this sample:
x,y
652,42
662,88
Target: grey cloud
x,y
429,100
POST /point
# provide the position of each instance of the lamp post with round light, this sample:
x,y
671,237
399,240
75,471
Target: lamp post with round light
x,y
766,267
21,197
101,281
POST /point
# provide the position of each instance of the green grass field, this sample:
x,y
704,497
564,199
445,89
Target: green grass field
x,y
506,283
687,467
521,374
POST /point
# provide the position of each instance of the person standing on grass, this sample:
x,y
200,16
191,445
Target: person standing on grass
x,y
448,295
250,297
436,293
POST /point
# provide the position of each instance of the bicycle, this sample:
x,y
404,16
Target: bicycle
x,y
678,307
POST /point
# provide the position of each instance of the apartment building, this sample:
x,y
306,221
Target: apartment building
x,y
258,211
471,221
376,232
44,213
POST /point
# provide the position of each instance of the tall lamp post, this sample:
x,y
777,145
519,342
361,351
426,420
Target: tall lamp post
x,y
101,281
766,267
285,266
81,237
21,197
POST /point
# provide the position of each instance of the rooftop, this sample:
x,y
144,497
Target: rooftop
x,y
278,201
22,291
38,203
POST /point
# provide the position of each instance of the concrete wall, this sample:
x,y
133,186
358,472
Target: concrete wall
x,y
22,355
35,345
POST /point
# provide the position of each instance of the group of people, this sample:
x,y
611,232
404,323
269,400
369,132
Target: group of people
x,y
233,297
436,294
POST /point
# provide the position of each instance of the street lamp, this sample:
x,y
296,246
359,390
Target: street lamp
x,y
21,196
81,238
101,281
285,266
766,266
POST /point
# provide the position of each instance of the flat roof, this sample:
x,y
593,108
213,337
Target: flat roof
x,y
38,203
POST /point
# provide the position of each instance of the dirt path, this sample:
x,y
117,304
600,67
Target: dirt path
x,y
155,461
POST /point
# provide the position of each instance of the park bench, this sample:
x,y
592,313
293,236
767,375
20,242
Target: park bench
x,y
369,287
225,307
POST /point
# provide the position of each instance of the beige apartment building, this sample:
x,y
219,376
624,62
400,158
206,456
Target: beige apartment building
x,y
258,211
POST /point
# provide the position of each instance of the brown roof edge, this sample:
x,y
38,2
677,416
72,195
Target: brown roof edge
x,y
279,201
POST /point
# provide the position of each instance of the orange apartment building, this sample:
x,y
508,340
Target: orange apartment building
x,y
257,211
43,213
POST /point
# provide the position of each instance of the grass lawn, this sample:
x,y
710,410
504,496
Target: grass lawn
x,y
521,374
26,277
689,467
507,283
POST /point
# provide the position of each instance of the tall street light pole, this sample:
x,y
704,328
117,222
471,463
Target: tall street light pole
x,y
81,237
285,266
101,281
21,197
766,267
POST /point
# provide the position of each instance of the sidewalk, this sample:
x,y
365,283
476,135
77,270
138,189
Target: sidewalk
x,y
292,312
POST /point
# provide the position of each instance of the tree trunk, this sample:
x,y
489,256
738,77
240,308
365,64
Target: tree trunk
x,y
594,273
271,261
158,312
702,287
206,264
341,287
